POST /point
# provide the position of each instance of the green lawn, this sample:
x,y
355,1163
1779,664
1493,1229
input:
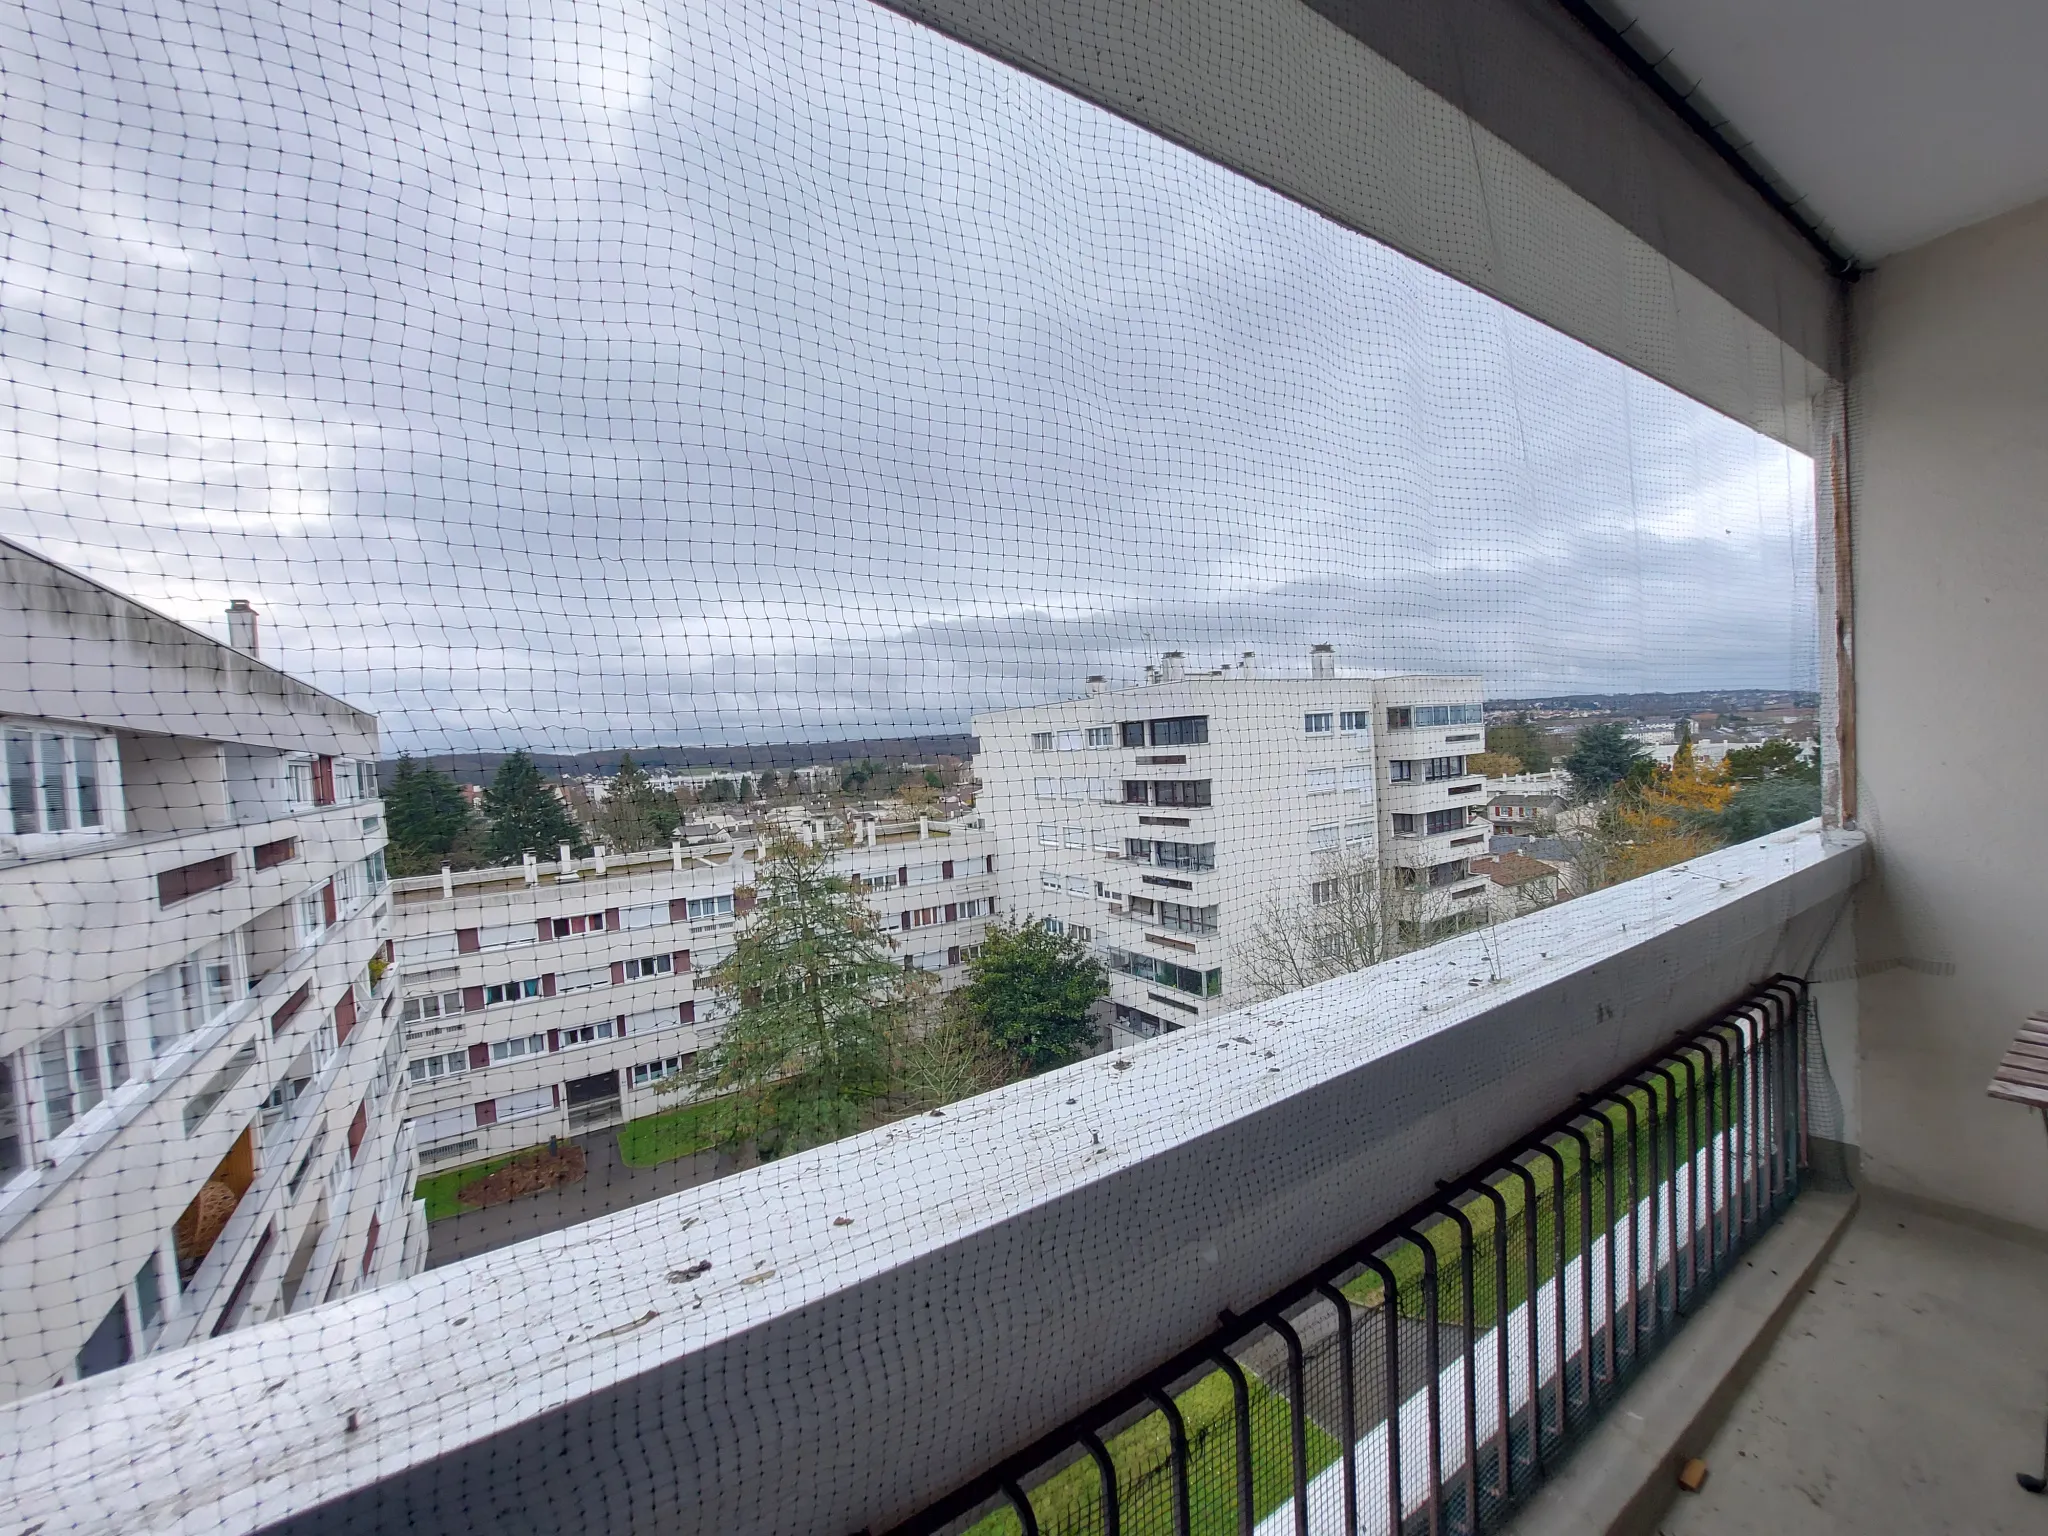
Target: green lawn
x,y
662,1138
439,1190
1069,1503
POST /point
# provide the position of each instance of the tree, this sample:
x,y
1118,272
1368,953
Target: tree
x,y
1777,758
817,1001
525,814
770,784
1495,765
1342,922
945,1055
1519,738
1768,805
717,792
1604,756
430,822
746,789
1032,990
932,779
1670,817
635,815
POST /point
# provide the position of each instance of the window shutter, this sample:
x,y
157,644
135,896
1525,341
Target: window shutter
x,y
466,941
472,999
357,1129
952,911
554,1040
743,900
547,984
679,909
547,929
611,919
946,870
487,1112
988,863
903,874
680,960
345,1016
328,905
618,972
952,954
370,1247
905,921
480,1055
621,1021
687,1010
290,1008
323,781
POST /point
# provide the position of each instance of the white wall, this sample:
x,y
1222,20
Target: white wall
x,y
1949,432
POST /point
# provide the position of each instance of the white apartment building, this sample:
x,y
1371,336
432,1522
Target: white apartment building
x,y
557,999
201,1097
1163,823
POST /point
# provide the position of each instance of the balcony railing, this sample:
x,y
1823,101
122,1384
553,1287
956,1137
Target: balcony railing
x,y
1430,1376
872,1332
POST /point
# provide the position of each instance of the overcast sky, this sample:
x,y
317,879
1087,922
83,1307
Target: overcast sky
x,y
595,373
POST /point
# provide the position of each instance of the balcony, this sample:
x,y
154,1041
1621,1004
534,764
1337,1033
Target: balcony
x,y
1235,1161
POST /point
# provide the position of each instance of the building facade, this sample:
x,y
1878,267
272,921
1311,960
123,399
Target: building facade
x,y
1167,824
559,998
201,1096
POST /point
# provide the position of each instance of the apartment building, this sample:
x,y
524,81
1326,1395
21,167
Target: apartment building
x,y
201,1097
1164,824
558,998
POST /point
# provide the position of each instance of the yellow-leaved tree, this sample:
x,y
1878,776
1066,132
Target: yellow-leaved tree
x,y
1665,821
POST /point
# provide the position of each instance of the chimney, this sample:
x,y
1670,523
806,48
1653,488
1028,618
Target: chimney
x,y
242,626
1247,665
1322,662
1170,670
1097,686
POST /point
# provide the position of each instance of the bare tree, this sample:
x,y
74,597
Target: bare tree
x,y
1344,920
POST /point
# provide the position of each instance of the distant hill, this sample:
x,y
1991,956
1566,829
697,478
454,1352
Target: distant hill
x,y
1726,701
477,767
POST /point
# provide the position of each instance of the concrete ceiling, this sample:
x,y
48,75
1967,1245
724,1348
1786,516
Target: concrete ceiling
x,y
1896,120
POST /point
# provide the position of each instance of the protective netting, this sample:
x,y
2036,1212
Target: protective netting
x,y
598,596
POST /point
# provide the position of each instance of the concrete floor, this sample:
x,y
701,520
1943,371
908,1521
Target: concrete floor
x,y
1905,1392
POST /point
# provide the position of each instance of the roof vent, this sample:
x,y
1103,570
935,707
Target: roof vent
x,y
1171,669
1322,662
242,626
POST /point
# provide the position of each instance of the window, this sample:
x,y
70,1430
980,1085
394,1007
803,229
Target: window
x,y
80,1064
1041,741
649,1072
1406,825
649,965
505,935
1316,724
1400,771
13,1154
926,917
309,914
1137,792
435,1005
1074,837
1069,741
1448,873
979,907
1182,731
1101,735
1400,719
1322,781
1192,793
584,922
1355,720
1046,789
1185,856
298,778
429,946
1324,893
1357,833
511,991
1184,919
1443,768
1131,732
1449,714
1323,839
518,1046
887,878
586,1034
425,1069
1444,821
53,782
583,980
651,914
705,908
1048,836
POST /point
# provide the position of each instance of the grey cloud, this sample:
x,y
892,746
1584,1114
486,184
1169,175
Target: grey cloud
x,y
634,372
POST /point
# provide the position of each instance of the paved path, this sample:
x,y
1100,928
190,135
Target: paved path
x,y
608,1184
